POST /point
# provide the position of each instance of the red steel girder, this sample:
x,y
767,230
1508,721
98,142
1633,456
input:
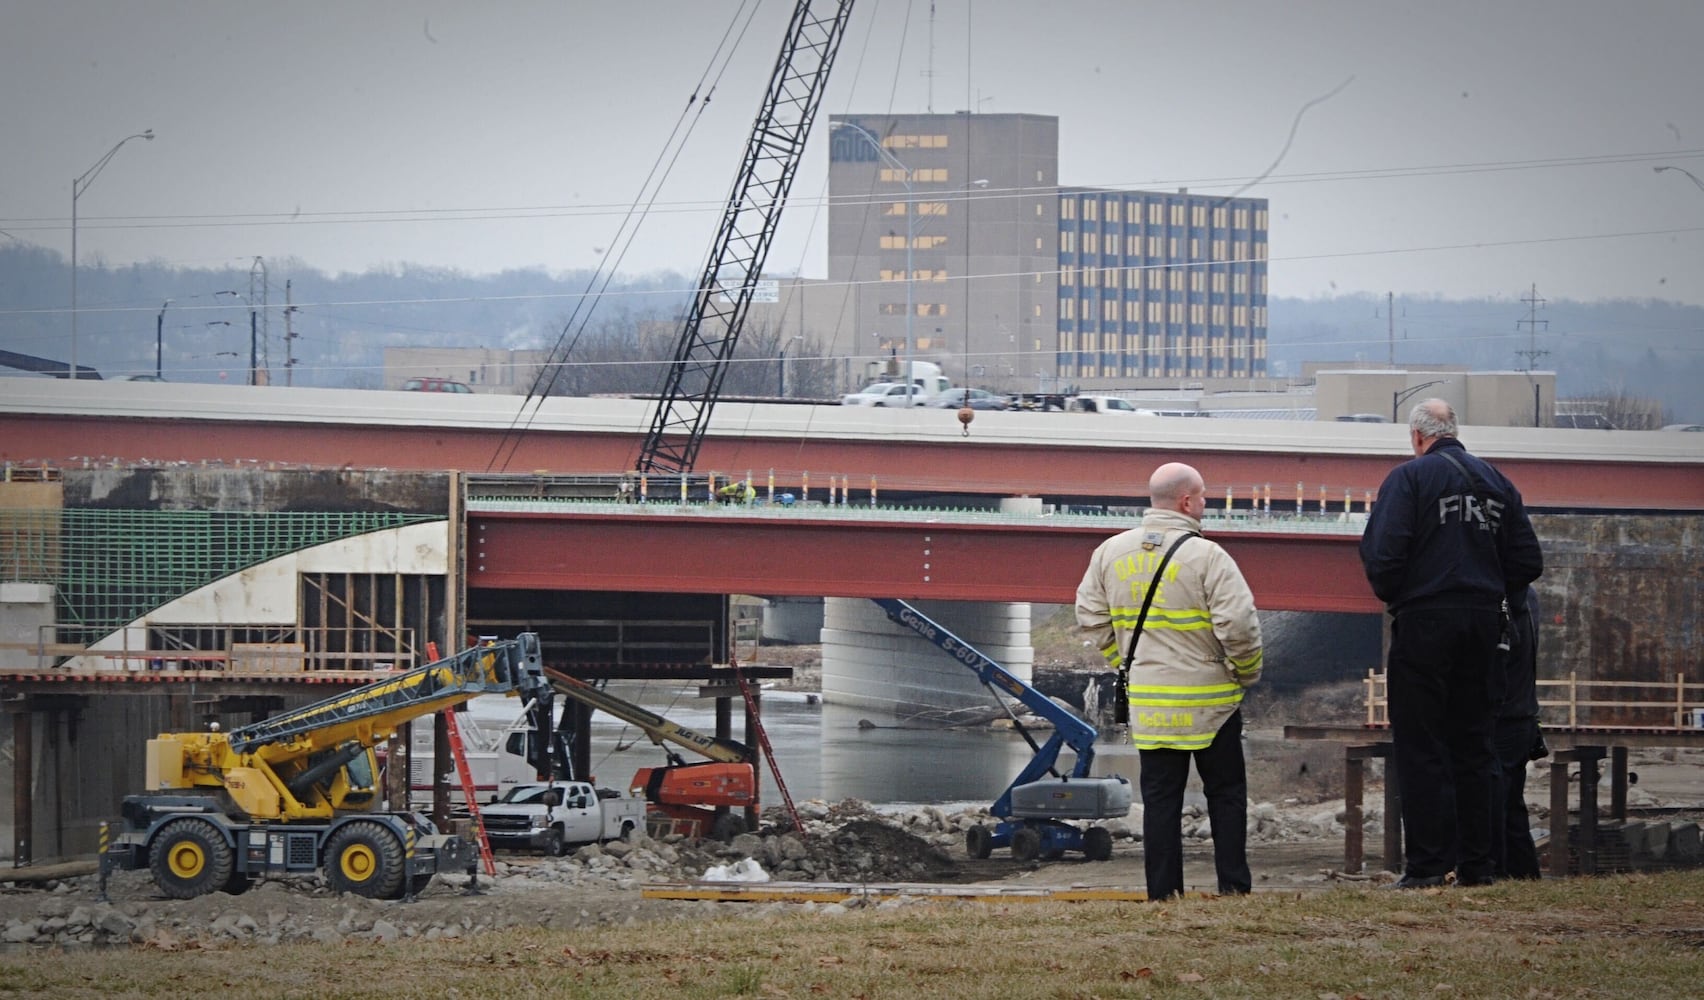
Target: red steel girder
x,y
826,557
966,465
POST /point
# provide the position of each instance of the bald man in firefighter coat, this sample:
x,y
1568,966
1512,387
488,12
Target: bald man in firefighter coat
x,y
1199,649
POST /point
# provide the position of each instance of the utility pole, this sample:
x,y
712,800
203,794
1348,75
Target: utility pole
x,y
289,338
260,370
1532,323
1532,353
1390,325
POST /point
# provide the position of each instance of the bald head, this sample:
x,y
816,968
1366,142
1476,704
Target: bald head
x,y
1175,486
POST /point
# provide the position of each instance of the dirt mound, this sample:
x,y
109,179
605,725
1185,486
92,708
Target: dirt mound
x,y
876,851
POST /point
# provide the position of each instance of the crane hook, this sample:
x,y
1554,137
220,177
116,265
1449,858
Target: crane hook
x,y
966,415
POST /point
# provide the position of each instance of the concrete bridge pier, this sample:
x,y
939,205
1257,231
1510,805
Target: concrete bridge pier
x,y
870,663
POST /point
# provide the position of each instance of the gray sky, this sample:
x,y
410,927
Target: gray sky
x,y
1479,147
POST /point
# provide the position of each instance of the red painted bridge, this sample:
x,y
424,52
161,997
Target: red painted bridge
x,y
1049,455
848,553
833,551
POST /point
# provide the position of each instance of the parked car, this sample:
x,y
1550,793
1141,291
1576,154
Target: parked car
x,y
883,394
976,399
430,384
138,378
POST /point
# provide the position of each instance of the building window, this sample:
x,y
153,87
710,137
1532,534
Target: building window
x,y
1156,312
1241,250
928,242
1198,314
1091,242
1176,282
1195,248
1091,277
1067,275
1239,315
1218,249
1109,310
1067,208
1218,315
1241,218
1173,247
1197,281
1239,284
897,208
893,309
1091,209
1112,211
1175,313
1177,215
931,208
891,242
1038,244
1260,219
1219,217
931,309
1219,282
1260,251
1156,213
1198,216
1114,277
888,275
1156,248
1259,315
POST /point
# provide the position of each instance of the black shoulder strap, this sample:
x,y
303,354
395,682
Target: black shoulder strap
x,y
1121,709
1473,478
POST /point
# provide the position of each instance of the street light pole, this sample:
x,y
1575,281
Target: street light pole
x,y
789,343
1398,396
910,239
79,184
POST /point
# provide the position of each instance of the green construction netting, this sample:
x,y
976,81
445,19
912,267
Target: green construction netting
x,y
110,567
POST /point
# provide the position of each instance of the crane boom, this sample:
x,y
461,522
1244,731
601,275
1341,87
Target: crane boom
x,y
659,729
503,668
749,221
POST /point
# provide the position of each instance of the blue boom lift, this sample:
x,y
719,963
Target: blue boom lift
x,y
1034,812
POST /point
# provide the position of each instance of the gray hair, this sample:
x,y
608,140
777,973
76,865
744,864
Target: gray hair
x,y
1433,418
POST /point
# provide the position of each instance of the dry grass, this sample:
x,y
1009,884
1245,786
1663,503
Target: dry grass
x,y
1633,936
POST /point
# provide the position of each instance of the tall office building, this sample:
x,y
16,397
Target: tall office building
x,y
958,246
1160,286
965,205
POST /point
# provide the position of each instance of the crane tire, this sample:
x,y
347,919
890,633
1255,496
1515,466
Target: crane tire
x,y
190,858
978,842
1026,844
366,859
1097,843
726,828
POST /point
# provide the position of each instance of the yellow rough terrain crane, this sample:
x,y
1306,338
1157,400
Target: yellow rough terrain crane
x,y
296,792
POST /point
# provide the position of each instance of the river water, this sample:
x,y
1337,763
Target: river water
x,y
824,753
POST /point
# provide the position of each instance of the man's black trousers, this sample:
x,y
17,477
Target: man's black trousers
x,y
1225,782
1512,848
1444,678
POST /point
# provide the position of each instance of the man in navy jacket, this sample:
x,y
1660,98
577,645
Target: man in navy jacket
x,y
1447,544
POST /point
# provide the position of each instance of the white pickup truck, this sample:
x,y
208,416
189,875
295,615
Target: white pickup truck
x,y
554,817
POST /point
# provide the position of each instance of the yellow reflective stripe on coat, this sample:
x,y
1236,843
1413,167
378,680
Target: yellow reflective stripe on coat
x,y
1178,619
1186,741
1204,694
